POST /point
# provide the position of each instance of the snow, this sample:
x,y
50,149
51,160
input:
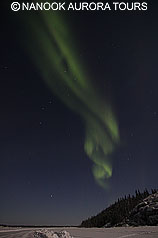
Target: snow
x,y
44,233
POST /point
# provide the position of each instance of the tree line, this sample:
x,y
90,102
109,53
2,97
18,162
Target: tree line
x,y
117,212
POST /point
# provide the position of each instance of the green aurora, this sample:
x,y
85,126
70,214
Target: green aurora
x,y
53,51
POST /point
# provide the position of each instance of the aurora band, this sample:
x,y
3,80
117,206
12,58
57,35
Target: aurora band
x,y
52,50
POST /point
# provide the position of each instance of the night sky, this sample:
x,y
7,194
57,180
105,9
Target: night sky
x,y
46,177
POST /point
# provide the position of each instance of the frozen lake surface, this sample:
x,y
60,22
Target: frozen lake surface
x,y
123,232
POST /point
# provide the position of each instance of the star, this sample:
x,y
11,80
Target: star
x,y
151,91
4,67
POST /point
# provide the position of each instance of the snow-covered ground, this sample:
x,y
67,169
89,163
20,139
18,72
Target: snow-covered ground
x,y
119,232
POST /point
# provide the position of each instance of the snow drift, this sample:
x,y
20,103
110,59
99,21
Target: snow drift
x,y
44,233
